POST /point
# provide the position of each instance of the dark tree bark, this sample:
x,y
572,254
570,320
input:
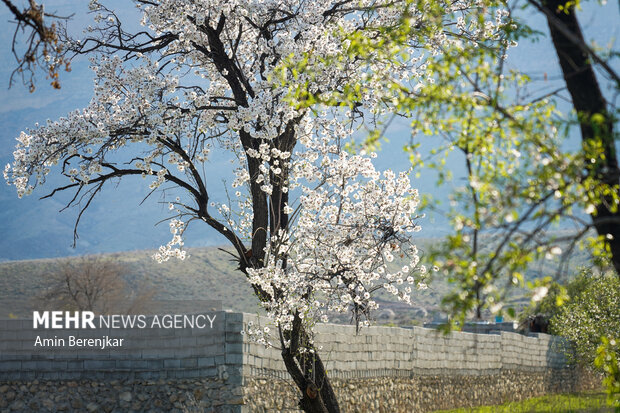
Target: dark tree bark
x,y
307,371
588,101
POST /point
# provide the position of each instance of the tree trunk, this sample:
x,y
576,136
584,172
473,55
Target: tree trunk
x,y
588,101
308,372
305,368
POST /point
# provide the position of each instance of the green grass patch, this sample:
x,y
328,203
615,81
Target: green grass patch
x,y
555,403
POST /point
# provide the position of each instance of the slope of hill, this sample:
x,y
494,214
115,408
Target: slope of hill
x,y
207,274
210,274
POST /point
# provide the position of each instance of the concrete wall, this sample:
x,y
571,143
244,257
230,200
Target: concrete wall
x,y
380,369
146,353
397,352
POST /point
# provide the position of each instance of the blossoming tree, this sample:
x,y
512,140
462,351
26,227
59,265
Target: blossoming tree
x,y
312,226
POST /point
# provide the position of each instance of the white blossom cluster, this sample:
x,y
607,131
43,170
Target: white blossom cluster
x,y
353,222
167,251
123,98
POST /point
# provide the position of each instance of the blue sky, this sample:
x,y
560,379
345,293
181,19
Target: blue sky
x,y
35,229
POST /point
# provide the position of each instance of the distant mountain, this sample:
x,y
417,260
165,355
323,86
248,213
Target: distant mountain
x,y
210,274
207,274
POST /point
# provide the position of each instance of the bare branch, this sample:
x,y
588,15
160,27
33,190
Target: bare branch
x,y
42,46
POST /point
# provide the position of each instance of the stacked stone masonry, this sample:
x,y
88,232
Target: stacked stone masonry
x,y
381,369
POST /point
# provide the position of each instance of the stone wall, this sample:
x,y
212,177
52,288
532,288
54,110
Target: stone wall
x,y
420,393
397,352
119,396
381,369
386,369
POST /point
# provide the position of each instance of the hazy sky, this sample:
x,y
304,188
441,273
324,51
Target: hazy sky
x,y
31,228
